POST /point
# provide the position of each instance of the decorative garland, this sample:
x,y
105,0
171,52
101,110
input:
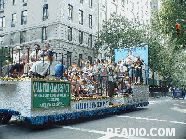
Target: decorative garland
x,y
10,111
125,95
39,120
87,98
29,79
116,105
76,115
139,84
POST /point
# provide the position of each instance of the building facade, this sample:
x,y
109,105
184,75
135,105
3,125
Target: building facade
x,y
140,10
69,27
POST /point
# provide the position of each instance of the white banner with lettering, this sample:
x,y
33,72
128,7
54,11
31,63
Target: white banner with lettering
x,y
83,105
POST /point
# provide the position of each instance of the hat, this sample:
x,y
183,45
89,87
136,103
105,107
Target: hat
x,y
17,48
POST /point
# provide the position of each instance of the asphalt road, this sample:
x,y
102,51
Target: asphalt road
x,y
164,118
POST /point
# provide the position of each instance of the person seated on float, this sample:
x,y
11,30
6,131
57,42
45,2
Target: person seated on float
x,y
97,72
123,79
86,67
40,68
60,70
36,54
129,89
26,60
85,84
17,66
97,66
116,72
72,77
30,58
88,76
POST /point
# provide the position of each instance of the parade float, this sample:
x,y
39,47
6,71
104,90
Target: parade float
x,y
38,101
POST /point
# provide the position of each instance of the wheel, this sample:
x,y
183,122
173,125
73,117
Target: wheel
x,y
4,118
172,97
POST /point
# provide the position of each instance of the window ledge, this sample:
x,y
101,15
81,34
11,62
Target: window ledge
x,y
12,25
24,4
69,18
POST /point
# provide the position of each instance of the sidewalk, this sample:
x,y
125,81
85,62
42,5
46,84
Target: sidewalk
x,y
160,94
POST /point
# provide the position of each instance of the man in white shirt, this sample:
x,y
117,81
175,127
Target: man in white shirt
x,y
40,68
17,61
17,56
37,52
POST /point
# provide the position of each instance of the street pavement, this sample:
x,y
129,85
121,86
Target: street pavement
x,y
162,114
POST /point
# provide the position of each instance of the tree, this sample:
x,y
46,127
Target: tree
x,y
169,64
165,20
118,32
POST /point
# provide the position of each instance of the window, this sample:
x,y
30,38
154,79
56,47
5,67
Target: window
x,y
81,17
2,4
81,1
80,37
44,33
45,12
12,35
90,41
69,33
24,2
79,61
2,20
70,9
122,2
22,37
69,57
90,59
90,21
14,2
90,3
23,17
13,20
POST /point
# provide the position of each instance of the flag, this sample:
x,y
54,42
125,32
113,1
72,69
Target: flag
x,y
95,82
48,58
83,82
77,77
74,64
91,66
82,61
78,67
127,78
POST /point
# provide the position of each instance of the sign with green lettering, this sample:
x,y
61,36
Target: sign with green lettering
x,y
47,94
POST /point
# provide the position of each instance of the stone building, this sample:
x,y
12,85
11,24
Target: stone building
x,y
69,26
140,10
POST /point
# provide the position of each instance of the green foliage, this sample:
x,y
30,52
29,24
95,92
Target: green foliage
x,y
4,56
164,44
164,52
165,20
118,32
